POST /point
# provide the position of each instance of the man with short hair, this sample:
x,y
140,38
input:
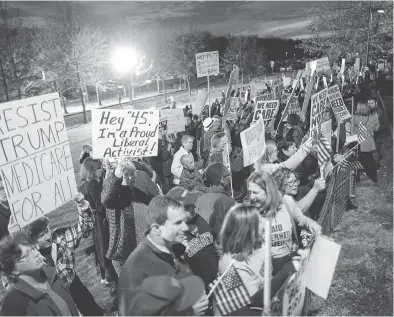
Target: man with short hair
x,y
200,252
156,255
185,149
219,143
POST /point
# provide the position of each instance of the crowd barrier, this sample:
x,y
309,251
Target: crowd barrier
x,y
293,298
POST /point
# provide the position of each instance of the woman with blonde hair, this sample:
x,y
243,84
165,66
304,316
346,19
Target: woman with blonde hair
x,y
284,212
270,157
370,121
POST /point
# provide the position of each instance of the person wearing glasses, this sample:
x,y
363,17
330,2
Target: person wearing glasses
x,y
270,157
312,202
262,191
33,289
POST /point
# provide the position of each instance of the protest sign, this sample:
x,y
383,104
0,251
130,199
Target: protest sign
x,y
270,96
207,63
318,106
342,66
323,67
175,120
232,81
118,132
35,159
201,99
266,110
336,102
357,65
253,143
286,81
321,266
326,129
232,111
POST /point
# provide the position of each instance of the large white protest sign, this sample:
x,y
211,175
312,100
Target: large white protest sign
x,y
266,110
253,143
357,65
35,159
118,132
201,99
321,266
174,118
207,63
318,106
336,102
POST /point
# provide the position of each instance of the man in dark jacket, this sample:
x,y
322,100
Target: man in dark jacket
x,y
200,251
157,254
5,212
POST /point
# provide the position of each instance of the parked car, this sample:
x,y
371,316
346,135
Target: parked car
x,y
283,69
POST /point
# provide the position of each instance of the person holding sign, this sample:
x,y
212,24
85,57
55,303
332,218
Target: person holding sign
x,y
34,290
58,250
262,191
270,157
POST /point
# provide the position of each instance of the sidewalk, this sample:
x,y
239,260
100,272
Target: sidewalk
x,y
75,106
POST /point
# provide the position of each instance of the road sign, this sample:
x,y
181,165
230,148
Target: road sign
x,y
207,63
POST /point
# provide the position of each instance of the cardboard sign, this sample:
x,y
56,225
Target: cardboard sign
x,y
318,106
253,143
201,99
266,110
357,65
118,132
336,102
321,266
207,63
326,129
342,66
175,119
286,81
35,159
323,66
232,111
265,97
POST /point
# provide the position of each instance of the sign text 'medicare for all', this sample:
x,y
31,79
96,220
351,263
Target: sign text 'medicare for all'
x,y
120,132
35,159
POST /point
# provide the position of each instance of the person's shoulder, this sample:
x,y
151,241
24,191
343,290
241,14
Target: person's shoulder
x,y
14,303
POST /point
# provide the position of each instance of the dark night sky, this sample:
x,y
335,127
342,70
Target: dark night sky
x,y
286,19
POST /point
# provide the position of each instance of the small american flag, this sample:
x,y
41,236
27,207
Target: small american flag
x,y
362,133
231,293
351,166
323,150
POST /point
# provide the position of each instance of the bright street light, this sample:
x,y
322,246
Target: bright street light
x,y
124,59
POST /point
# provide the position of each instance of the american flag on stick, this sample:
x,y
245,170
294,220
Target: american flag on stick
x,y
323,150
230,293
362,133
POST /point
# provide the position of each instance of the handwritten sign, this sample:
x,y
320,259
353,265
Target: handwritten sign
x,y
232,111
253,143
357,65
323,66
118,132
270,96
266,110
35,159
207,63
336,102
342,66
286,81
175,119
318,106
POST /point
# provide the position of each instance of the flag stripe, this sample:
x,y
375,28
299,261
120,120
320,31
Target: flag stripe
x,y
323,150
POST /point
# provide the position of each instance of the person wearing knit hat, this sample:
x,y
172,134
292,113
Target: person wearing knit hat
x,y
207,124
218,178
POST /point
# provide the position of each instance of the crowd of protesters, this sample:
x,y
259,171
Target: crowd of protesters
x,y
165,227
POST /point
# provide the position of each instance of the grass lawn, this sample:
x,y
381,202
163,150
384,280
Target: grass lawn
x,y
362,283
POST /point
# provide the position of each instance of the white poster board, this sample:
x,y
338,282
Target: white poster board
x,y
207,63
318,106
357,66
201,99
117,132
35,159
326,129
253,143
175,120
336,102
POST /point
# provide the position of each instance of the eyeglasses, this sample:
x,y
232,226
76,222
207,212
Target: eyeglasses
x,y
293,182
